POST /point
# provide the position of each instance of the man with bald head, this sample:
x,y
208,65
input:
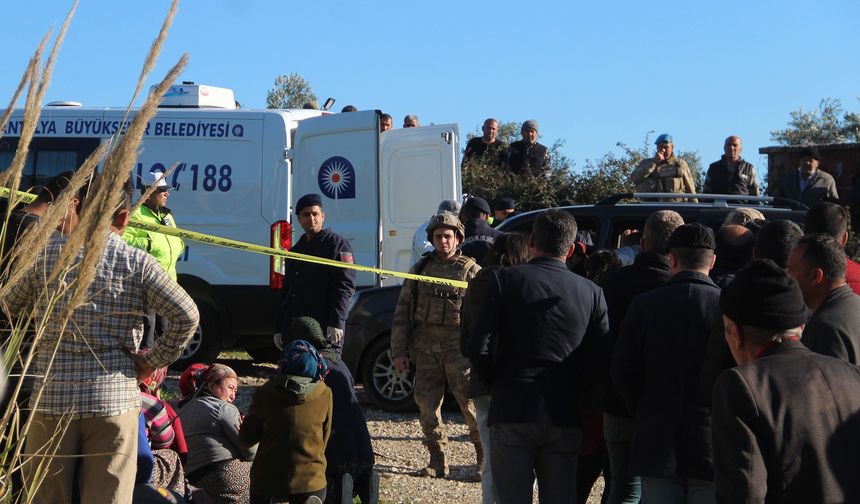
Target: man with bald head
x,y
485,149
735,245
731,174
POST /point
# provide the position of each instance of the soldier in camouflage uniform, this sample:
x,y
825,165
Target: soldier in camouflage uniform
x,y
426,330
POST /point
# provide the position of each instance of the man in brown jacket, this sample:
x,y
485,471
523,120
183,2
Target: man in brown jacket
x,y
786,421
663,173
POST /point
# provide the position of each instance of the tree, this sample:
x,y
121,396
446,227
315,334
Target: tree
x,y
611,173
598,179
290,91
530,192
829,124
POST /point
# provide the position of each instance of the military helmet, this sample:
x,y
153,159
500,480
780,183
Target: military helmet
x,y
448,220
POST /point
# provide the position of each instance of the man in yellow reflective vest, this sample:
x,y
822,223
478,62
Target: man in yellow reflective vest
x,y
165,249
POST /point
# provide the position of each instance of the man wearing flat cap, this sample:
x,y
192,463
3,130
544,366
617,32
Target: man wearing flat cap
x,y
665,172
316,290
786,421
479,235
527,156
808,184
656,367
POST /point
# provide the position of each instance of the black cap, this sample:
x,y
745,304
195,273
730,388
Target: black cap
x,y
478,203
505,204
764,295
810,152
692,236
307,200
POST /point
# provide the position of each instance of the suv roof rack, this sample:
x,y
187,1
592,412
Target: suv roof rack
x,y
715,200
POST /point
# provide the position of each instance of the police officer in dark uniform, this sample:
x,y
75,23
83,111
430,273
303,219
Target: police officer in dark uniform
x,y
479,235
315,290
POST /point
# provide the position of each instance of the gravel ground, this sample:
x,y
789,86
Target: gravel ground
x,y
398,448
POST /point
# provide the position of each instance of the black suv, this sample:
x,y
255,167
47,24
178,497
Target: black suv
x,y
368,328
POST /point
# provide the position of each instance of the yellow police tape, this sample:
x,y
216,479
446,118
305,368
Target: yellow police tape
x,y
270,251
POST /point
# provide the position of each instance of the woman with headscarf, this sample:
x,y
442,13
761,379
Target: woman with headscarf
x,y
291,417
349,454
218,461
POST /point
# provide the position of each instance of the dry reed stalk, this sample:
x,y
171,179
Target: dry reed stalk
x,y
25,78
28,76
93,227
98,212
34,239
12,175
34,106
53,297
153,54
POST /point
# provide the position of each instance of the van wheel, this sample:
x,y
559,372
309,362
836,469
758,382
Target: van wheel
x,y
205,343
385,387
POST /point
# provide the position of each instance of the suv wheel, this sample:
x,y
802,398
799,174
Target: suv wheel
x,y
205,343
385,387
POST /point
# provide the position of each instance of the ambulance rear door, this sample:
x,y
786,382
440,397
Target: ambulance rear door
x,y
335,156
419,169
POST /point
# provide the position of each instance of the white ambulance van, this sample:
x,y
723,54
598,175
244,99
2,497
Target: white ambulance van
x,y
240,171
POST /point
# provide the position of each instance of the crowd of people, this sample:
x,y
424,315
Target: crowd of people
x,y
685,366
100,429
701,371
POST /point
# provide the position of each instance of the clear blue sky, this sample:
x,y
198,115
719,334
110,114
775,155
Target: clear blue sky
x,y
592,73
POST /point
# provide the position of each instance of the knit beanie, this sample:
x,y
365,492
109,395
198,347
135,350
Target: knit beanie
x,y
764,295
308,329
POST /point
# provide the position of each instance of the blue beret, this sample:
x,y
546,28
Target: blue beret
x,y
307,200
664,138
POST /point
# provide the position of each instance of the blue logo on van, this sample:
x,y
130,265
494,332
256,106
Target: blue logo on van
x,y
337,178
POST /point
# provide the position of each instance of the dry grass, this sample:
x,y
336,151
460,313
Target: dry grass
x,y
83,248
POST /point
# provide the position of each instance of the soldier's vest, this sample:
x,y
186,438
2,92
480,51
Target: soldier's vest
x,y
440,304
668,178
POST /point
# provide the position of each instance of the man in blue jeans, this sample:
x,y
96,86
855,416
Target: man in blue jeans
x,y
540,334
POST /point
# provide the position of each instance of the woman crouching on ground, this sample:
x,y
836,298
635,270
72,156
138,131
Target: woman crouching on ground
x,y
218,462
290,417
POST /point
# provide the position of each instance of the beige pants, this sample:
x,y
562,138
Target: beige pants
x,y
434,372
102,450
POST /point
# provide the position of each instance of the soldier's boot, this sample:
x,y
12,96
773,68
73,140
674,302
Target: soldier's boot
x,y
479,462
438,467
